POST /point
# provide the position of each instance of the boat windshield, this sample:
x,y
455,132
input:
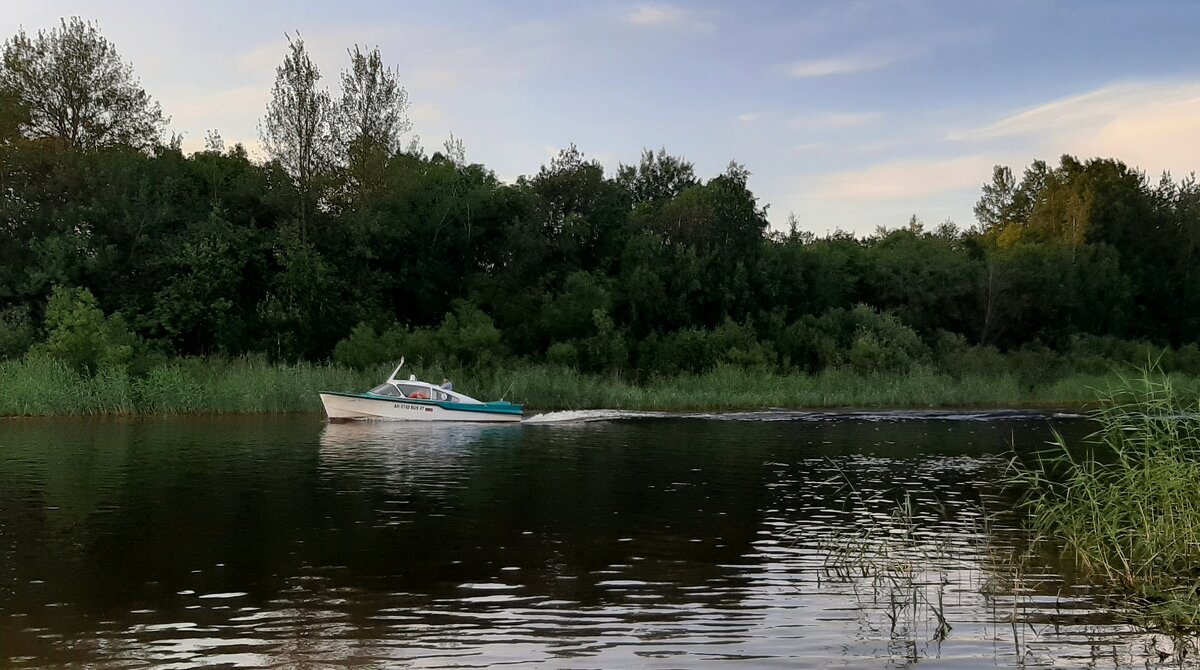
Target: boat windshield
x,y
386,389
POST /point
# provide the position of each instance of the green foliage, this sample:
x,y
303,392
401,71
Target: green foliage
x,y
295,129
1124,505
651,271
466,337
16,332
197,306
605,349
79,334
570,314
562,354
657,178
371,116
40,385
74,87
862,338
366,348
697,350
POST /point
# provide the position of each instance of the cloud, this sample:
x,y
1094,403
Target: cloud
x,y
843,65
749,117
1153,125
424,112
837,120
1080,111
231,112
429,58
667,16
908,179
230,103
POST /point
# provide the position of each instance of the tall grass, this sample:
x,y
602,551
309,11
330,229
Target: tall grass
x,y
1125,505
547,387
45,386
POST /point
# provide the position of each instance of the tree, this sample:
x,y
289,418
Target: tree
x,y
371,115
296,130
658,176
995,205
13,116
73,86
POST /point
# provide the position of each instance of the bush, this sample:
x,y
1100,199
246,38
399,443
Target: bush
x,y
863,338
696,350
466,336
563,354
79,333
1036,365
807,344
605,349
16,332
366,348
1185,359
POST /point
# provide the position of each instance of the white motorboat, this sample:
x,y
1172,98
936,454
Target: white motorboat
x,y
414,400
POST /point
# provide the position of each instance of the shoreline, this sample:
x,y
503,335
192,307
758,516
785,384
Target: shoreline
x,y
46,387
1013,408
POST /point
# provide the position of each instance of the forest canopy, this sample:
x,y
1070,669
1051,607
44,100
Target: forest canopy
x,y
349,242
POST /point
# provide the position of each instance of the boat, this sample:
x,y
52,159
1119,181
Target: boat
x,y
414,400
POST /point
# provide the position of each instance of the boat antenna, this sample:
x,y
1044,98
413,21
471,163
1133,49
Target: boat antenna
x,y
397,370
510,388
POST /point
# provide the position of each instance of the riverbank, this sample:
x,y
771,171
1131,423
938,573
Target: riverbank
x,y
47,387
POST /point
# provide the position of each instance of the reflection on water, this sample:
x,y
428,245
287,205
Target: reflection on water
x,y
763,540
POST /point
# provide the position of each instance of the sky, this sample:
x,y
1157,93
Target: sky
x,y
850,115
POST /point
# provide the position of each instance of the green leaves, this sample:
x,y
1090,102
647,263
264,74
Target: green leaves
x,y
73,86
79,333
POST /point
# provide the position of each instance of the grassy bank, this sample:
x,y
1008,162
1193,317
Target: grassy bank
x,y
1125,505
42,386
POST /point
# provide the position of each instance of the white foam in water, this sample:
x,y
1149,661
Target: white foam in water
x,y
585,415
592,415
489,586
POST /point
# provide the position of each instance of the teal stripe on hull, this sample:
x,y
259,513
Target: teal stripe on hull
x,y
495,407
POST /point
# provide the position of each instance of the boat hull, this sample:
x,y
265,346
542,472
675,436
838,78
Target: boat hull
x,y
346,407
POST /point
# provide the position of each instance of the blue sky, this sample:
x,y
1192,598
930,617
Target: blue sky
x,y
850,115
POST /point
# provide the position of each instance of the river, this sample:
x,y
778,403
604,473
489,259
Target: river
x,y
575,540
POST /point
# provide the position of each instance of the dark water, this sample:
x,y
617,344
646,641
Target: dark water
x,y
774,540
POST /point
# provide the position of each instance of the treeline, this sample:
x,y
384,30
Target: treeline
x,y
116,248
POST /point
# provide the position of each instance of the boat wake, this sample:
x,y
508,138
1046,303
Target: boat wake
x,y
596,415
592,415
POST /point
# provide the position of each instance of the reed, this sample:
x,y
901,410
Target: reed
x,y
45,386
544,387
1125,505
37,386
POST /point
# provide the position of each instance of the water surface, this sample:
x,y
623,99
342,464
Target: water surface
x,y
591,540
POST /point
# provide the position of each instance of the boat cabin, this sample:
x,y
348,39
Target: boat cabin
x,y
418,391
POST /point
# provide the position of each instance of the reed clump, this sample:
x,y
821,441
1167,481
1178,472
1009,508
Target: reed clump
x,y
1125,504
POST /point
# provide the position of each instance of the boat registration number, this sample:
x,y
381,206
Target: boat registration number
x,y
412,408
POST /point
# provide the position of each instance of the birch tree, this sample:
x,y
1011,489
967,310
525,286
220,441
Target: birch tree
x,y
297,128
372,113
